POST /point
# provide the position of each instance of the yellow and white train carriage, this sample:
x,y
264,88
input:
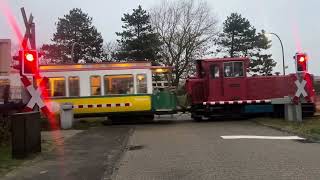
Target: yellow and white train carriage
x,y
109,88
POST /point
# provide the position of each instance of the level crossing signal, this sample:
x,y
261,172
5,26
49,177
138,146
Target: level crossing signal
x,y
28,62
301,62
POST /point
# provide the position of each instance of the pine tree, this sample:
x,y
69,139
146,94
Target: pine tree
x,y
138,40
75,29
240,39
261,62
237,37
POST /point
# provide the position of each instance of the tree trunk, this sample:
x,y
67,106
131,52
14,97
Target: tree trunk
x,y
232,45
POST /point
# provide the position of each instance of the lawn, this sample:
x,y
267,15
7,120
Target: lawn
x,y
6,162
86,123
309,128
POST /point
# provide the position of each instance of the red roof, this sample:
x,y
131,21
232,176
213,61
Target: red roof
x,y
226,59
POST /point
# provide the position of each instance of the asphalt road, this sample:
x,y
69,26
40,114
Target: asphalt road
x,y
187,150
176,149
90,155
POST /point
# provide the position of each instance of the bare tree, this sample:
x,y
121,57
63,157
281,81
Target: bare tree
x,y
187,29
110,48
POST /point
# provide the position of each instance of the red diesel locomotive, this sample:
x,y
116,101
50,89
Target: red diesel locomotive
x,y
222,87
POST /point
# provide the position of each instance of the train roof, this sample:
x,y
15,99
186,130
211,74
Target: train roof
x,y
225,59
104,66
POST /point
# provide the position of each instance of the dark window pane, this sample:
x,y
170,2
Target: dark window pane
x,y
95,83
214,71
74,86
238,69
57,87
141,83
119,84
228,69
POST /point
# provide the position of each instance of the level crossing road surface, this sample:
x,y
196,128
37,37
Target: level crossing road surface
x,y
177,148
187,150
89,155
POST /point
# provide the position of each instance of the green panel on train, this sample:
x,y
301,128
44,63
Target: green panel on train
x,y
164,101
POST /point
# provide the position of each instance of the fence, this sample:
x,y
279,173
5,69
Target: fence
x,y
14,94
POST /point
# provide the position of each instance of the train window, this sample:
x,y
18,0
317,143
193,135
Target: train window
x,y
214,70
141,83
57,87
118,84
74,86
233,69
238,69
95,83
228,69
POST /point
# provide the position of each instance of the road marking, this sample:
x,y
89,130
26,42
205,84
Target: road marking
x,y
264,137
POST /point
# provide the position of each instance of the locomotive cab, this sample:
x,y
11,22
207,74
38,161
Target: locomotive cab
x,y
222,87
227,79
219,80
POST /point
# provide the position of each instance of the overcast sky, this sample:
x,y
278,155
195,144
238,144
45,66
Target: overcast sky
x,y
295,21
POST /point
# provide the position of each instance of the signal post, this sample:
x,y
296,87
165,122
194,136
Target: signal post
x,y
293,110
27,59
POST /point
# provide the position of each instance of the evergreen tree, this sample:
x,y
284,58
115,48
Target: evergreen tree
x,y
261,62
138,40
237,37
75,29
240,39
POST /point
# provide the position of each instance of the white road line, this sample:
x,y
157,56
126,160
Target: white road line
x,y
264,137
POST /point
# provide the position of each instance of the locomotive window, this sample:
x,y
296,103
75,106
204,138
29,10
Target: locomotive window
x,y
141,83
119,84
228,69
95,83
233,69
74,86
57,87
237,69
214,71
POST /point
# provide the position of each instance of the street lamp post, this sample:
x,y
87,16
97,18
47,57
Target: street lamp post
x,y
283,64
72,51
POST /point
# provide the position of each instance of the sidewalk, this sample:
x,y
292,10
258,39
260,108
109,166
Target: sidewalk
x,y
90,154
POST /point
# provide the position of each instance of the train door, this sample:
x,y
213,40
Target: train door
x,y
215,82
234,81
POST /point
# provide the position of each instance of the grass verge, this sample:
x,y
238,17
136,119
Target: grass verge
x,y
86,123
309,128
6,162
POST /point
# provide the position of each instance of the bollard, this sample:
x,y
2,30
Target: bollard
x,y
66,116
26,134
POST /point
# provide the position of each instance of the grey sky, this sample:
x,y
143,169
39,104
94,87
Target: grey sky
x,y
295,21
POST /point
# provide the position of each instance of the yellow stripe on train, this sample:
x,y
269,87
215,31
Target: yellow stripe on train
x,y
106,104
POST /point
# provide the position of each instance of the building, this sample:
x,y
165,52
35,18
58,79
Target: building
x,y
9,78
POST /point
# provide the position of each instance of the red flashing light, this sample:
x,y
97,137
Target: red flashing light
x,y
29,57
29,62
301,59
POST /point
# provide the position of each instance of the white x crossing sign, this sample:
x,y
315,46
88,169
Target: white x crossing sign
x,y
35,94
301,90
35,97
